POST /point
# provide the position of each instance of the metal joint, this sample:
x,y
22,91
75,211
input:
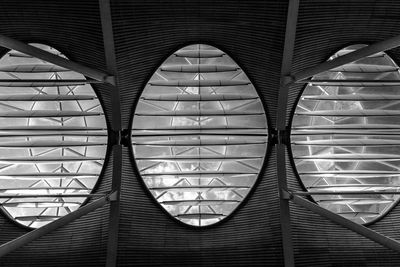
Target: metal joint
x,y
283,194
120,137
287,80
110,79
279,137
115,137
114,196
125,137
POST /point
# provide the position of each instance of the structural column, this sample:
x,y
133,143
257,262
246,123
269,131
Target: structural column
x,y
116,132
281,131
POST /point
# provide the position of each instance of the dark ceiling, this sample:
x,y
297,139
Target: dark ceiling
x,y
252,32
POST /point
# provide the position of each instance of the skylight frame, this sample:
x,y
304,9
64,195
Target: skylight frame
x,y
104,144
355,46
263,160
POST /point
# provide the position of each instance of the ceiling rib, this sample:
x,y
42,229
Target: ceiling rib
x,y
347,58
287,57
57,60
116,124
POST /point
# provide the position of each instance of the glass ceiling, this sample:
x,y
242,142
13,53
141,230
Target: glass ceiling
x,y
199,135
345,137
52,139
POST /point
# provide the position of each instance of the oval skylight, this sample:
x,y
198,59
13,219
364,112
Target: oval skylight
x,y
345,137
199,135
52,139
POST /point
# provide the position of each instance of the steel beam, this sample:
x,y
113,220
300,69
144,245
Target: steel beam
x,y
113,230
39,232
47,81
358,228
353,192
49,195
56,60
116,124
350,82
348,58
288,49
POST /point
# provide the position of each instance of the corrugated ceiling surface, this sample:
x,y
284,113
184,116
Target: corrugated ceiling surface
x,y
146,32
252,32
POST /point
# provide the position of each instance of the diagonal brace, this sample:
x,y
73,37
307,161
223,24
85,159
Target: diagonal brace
x,y
57,60
39,232
358,228
348,58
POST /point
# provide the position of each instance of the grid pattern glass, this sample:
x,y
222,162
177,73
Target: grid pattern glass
x,y
345,137
199,135
52,139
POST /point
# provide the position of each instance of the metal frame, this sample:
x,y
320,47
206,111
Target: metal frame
x,y
59,61
116,125
197,209
288,50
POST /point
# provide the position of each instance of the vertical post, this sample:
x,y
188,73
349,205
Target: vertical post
x,y
116,125
112,245
290,35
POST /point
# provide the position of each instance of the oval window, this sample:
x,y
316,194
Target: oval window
x,y
199,135
52,139
345,137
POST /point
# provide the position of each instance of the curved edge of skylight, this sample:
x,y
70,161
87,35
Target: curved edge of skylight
x,y
335,54
106,148
264,156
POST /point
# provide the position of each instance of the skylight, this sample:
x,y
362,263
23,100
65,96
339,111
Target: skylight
x,y
52,139
345,137
199,135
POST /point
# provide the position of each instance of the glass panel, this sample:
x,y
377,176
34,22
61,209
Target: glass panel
x,y
52,139
199,135
345,136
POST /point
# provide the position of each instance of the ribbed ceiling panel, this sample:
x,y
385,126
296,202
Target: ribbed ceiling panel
x,y
252,32
147,32
252,234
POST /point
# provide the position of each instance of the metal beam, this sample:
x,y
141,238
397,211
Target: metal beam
x,y
113,230
348,58
39,232
57,60
44,82
358,228
353,192
49,195
350,82
116,124
288,49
